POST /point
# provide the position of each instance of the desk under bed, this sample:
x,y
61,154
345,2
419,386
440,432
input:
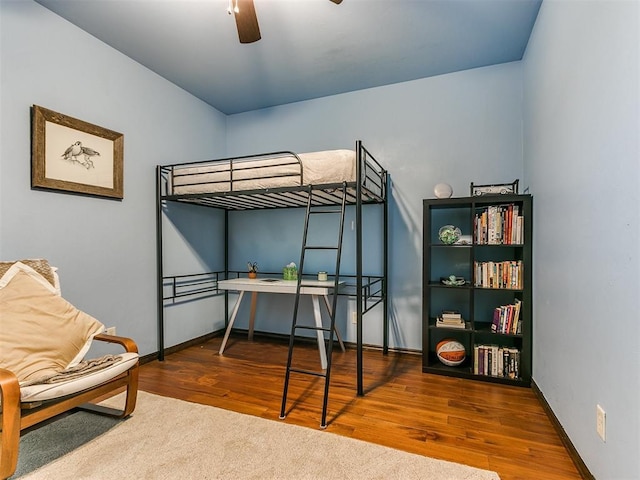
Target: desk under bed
x,y
276,180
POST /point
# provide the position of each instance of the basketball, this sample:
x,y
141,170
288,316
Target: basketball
x,y
451,352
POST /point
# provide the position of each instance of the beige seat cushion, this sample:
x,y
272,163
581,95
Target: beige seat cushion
x,y
49,391
40,332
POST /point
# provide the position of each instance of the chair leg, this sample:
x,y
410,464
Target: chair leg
x,y
10,435
129,403
132,392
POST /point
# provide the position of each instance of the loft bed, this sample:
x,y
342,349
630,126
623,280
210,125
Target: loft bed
x,y
270,181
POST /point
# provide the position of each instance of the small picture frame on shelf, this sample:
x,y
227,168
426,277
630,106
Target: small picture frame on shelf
x,y
495,189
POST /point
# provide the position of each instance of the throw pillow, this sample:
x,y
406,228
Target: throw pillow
x,y
40,332
38,264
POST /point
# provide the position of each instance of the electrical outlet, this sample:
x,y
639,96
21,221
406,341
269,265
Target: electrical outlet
x,y
601,422
354,317
110,331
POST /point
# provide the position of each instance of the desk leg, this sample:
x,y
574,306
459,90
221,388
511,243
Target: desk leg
x,y
320,334
231,320
252,315
335,329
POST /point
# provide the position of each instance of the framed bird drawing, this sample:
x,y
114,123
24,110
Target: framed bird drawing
x,y
75,156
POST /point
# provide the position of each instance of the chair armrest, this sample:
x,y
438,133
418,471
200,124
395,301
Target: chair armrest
x,y
10,397
9,388
128,344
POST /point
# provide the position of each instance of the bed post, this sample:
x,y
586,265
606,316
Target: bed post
x,y
385,268
159,255
226,266
359,164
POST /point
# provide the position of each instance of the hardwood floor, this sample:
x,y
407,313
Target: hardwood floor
x,y
494,427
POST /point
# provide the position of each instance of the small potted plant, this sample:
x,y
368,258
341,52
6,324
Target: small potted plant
x,y
253,269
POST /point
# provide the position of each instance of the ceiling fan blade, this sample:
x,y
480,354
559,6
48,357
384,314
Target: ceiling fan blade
x,y
247,22
337,2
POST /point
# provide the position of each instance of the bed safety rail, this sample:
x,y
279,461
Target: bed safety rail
x,y
177,287
230,171
229,177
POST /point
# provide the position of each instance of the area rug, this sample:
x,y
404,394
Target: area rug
x,y
167,438
43,445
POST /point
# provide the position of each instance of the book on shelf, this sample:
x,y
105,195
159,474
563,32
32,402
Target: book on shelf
x,y
496,361
506,274
499,225
450,319
451,315
476,354
506,318
451,324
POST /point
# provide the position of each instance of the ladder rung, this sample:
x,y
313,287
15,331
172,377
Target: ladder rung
x,y
307,372
313,209
317,329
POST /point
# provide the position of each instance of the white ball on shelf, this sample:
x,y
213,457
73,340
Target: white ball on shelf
x,y
443,190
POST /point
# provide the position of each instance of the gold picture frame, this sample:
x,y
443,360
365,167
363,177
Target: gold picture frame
x,y
74,156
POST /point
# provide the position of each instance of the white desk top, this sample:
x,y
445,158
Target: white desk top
x,y
277,285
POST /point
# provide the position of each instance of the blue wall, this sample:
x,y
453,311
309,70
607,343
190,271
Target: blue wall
x,y
581,124
105,249
571,106
457,128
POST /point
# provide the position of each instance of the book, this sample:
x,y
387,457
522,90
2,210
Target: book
x,y
495,325
514,225
505,363
514,353
506,318
487,360
494,360
459,324
450,320
445,321
515,329
505,274
475,359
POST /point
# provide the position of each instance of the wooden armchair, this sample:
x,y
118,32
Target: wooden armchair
x,y
27,396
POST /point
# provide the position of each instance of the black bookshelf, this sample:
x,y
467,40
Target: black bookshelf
x,y
495,262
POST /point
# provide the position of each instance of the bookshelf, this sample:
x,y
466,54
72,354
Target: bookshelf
x,y
493,257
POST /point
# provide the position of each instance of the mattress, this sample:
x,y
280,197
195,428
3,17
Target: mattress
x,y
314,168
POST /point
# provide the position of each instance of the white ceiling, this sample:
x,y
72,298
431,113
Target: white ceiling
x,y
309,48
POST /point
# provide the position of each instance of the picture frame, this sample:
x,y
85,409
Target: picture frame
x,y
495,189
74,156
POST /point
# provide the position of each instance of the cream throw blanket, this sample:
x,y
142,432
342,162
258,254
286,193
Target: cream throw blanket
x,y
83,368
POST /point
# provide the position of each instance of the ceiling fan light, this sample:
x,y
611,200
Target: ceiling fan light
x,y
233,7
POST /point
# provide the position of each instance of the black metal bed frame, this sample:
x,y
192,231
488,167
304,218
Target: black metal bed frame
x,y
371,186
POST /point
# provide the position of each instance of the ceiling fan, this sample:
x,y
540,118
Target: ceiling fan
x,y
247,21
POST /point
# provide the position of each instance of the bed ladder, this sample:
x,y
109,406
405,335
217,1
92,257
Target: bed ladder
x,y
315,212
